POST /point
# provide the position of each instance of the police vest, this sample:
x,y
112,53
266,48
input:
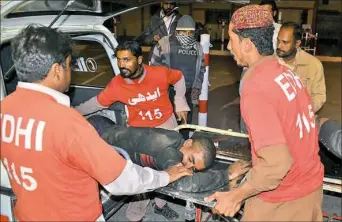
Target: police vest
x,y
184,59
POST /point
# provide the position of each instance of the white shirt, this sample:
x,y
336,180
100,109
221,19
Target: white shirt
x,y
167,20
58,96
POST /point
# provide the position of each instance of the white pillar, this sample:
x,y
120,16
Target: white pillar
x,y
203,99
222,35
115,27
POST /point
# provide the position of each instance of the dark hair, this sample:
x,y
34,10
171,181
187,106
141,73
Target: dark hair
x,y
261,37
131,46
209,150
274,7
36,48
297,30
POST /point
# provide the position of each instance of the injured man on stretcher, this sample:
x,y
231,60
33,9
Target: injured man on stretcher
x,y
160,149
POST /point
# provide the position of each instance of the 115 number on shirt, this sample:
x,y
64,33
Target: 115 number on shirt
x,y
156,114
25,179
308,123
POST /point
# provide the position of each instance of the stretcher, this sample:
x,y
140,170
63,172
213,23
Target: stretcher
x,y
229,150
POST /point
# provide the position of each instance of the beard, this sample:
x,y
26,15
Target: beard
x,y
128,74
284,54
167,12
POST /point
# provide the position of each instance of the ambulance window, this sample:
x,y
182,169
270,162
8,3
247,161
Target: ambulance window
x,y
91,65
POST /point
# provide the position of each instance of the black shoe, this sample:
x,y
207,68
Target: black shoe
x,y
166,211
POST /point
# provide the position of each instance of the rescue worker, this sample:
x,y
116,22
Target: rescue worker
x,y
306,66
271,6
181,51
161,148
286,172
53,156
161,24
143,89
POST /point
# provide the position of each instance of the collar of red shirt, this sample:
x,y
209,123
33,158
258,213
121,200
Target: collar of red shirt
x,y
59,97
256,64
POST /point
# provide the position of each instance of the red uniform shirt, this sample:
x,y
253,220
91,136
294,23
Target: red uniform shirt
x,y
148,100
277,110
54,158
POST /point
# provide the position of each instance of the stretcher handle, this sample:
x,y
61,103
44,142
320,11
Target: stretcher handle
x,y
210,129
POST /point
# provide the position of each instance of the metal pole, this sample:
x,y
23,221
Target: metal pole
x,y
222,35
114,26
203,99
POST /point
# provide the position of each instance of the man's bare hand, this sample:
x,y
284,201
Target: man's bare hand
x,y
236,172
178,171
238,169
182,116
195,93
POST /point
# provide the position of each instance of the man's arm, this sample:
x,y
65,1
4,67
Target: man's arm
x,y
202,181
318,91
157,58
273,163
103,100
274,159
330,135
147,36
135,179
181,104
176,78
213,178
90,106
151,29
